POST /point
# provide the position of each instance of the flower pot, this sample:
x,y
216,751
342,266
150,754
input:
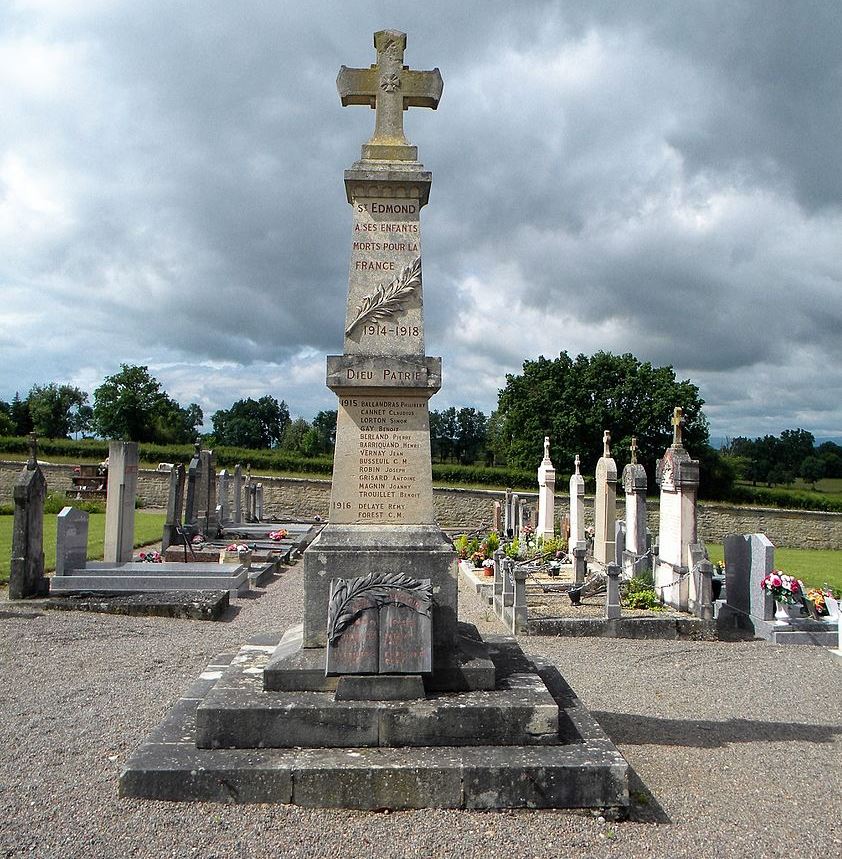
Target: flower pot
x,y
786,612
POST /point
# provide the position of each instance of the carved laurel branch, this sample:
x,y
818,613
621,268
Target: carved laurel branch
x,y
388,299
378,589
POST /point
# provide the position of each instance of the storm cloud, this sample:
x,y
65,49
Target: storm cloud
x,y
661,179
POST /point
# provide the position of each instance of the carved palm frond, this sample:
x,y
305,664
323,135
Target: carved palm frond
x,y
387,300
376,588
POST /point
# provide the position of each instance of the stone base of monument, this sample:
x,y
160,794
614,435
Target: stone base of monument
x,y
529,742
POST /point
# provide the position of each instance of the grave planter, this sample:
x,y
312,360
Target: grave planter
x,y
785,612
244,558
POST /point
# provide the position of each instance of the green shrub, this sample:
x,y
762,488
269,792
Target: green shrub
x,y
640,594
512,549
55,502
7,509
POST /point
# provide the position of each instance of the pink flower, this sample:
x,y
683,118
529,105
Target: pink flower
x,y
775,581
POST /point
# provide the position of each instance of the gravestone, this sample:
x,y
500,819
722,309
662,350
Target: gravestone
x,y
577,509
26,572
546,495
192,504
119,505
71,540
206,495
497,518
517,511
238,493
605,505
634,558
258,502
509,520
749,558
175,500
678,476
224,505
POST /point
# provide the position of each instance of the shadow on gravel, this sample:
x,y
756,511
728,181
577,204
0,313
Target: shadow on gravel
x,y
636,730
643,807
229,614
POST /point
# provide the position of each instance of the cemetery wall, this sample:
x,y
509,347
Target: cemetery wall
x,y
469,508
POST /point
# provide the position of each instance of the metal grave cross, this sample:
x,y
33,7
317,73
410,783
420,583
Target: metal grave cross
x,y
390,88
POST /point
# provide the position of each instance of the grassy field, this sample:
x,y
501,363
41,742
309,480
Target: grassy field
x,y
815,567
148,527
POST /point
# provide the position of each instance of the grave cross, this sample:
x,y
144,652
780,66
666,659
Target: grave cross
x,y
606,443
634,450
677,420
390,88
33,452
576,463
546,447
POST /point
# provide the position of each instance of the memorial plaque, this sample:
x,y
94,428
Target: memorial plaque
x,y
380,624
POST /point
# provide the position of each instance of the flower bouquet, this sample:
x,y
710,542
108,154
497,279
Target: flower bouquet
x,y
277,536
816,600
783,588
152,557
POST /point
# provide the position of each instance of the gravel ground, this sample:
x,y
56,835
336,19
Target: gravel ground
x,y
736,748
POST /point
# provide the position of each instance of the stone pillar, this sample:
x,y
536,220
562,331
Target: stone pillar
x,y
509,520
605,505
546,495
171,537
258,502
703,604
206,492
580,564
634,486
26,573
516,511
71,540
508,593
192,504
678,477
224,503
119,506
213,518
238,494
519,609
499,560
612,596
497,519
577,509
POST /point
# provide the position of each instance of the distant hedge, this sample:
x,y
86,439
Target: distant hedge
x,y
786,498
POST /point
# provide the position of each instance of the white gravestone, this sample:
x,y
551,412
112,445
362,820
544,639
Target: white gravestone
x,y
119,506
577,509
605,505
634,487
546,495
678,476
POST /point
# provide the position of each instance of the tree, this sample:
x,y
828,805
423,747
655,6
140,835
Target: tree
x,y
52,408
7,425
471,434
812,469
324,425
300,437
256,424
794,447
19,412
82,420
573,401
131,405
443,433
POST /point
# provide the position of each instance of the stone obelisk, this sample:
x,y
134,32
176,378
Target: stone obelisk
x,y
381,517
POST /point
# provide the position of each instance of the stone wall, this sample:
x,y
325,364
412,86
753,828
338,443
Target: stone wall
x,y
468,508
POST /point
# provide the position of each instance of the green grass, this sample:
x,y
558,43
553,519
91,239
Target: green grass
x,y
815,567
148,527
828,487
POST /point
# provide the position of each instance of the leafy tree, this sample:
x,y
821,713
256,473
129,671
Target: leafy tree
x,y
471,434
19,412
443,433
573,400
52,407
131,405
794,447
300,437
82,420
7,425
831,454
252,423
812,469
324,425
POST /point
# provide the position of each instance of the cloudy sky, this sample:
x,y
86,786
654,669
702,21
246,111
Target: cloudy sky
x,y
656,178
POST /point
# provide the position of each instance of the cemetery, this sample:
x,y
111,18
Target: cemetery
x,y
366,659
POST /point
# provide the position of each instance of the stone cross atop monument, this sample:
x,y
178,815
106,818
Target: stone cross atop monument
x,y
576,463
633,448
677,420
32,462
606,443
389,87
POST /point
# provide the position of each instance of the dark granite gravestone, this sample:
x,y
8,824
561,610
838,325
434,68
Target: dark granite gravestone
x,y
194,476
748,559
26,573
172,525
379,624
71,540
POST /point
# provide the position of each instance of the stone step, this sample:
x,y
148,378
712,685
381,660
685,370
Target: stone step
x,y
238,713
583,770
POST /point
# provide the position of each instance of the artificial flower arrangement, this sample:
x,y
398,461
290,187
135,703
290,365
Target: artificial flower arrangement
x,y
280,534
239,548
817,598
783,588
152,557
199,538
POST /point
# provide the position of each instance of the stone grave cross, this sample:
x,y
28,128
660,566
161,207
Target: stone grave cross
x,y
633,448
677,420
390,88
